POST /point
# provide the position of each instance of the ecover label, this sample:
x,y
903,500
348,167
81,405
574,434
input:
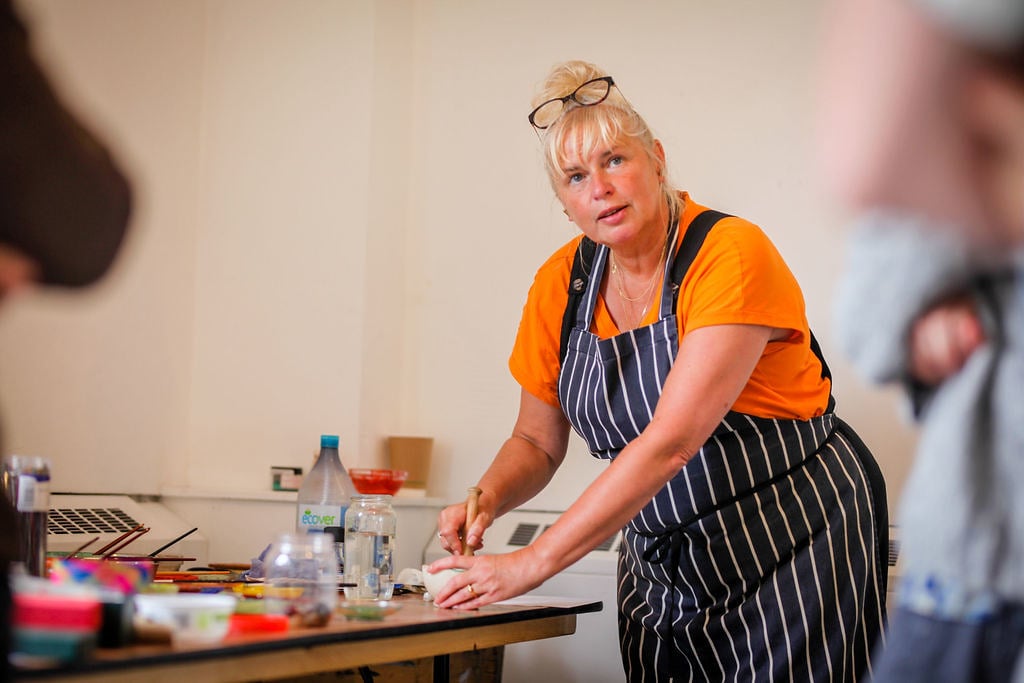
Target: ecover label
x,y
316,517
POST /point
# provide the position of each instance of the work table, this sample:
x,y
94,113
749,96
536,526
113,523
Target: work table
x,y
416,631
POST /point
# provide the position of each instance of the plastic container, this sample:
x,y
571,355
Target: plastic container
x,y
257,623
193,618
53,626
325,493
370,527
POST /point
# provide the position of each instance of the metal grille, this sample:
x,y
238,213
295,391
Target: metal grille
x,y
894,545
70,521
523,534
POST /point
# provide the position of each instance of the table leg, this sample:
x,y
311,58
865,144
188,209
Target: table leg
x,y
442,668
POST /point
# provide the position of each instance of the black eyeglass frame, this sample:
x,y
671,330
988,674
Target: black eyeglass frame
x,y
571,96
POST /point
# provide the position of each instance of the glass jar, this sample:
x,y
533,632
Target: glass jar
x,y
302,577
370,525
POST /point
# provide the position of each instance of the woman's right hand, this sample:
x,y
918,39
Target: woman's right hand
x,y
942,340
450,527
523,466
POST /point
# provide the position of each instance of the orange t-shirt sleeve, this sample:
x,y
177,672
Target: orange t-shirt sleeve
x,y
739,277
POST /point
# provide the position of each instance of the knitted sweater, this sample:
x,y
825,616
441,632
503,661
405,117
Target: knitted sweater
x,y
962,511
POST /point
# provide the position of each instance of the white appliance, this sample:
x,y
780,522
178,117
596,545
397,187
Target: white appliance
x,y
591,655
75,519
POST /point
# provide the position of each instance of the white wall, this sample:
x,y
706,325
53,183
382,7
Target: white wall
x,y
99,381
341,206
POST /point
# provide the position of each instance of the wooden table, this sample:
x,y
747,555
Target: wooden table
x,y
417,630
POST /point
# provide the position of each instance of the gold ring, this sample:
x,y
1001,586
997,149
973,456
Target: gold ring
x,y
469,587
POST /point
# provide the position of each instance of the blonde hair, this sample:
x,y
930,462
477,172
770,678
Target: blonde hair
x,y
579,130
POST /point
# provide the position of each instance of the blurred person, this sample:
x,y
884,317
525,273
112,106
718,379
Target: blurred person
x,y
921,109
674,340
64,209
923,137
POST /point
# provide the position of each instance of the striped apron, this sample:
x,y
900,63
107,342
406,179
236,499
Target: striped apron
x,y
760,559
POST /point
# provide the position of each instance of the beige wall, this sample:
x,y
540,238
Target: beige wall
x,y
341,207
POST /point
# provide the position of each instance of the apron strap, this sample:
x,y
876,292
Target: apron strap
x,y
582,263
693,240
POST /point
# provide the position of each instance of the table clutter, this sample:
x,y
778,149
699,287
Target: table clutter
x,y
106,620
407,635
91,603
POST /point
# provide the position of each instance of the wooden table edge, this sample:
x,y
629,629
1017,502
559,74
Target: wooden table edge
x,y
317,654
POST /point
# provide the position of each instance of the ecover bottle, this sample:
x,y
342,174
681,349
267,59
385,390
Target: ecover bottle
x,y
326,491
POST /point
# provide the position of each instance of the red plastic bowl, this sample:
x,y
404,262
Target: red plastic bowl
x,y
377,481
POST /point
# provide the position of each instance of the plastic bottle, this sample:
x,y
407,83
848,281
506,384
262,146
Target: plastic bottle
x,y
370,526
26,483
325,493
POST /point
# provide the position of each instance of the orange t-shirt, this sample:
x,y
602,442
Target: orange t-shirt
x,y
738,277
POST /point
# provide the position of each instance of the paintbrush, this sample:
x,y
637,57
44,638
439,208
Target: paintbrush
x,y
117,540
168,545
134,538
82,547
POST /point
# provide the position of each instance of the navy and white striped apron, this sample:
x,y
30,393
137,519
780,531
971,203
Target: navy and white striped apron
x,y
760,559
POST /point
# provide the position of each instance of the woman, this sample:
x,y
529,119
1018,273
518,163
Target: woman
x,y
751,542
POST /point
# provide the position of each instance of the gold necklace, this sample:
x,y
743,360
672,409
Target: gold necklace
x,y
640,318
646,296
619,282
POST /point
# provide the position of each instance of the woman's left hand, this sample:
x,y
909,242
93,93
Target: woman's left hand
x,y
487,579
